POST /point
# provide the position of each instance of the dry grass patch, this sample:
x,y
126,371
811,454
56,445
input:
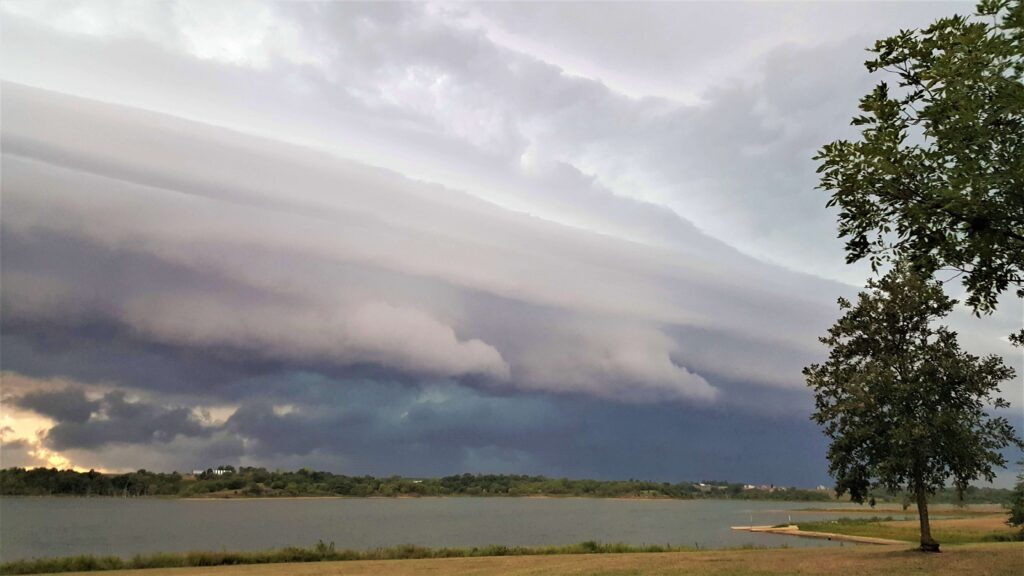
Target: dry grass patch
x,y
987,528
893,510
997,559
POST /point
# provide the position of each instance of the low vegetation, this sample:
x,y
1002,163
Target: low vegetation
x,y
321,552
990,559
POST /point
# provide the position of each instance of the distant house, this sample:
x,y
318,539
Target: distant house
x,y
215,472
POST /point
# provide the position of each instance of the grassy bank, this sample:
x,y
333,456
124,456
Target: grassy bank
x,y
321,552
988,528
996,559
934,511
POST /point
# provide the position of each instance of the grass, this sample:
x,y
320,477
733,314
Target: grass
x,y
321,552
990,528
941,510
991,559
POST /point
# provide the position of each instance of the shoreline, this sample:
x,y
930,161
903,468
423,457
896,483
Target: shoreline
x,y
221,497
466,496
980,508
837,506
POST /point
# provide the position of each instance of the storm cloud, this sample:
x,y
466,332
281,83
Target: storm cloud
x,y
205,243
423,239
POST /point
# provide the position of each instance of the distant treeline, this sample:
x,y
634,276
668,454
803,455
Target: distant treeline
x,y
227,481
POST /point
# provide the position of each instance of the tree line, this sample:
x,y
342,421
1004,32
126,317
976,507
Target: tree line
x,y
227,481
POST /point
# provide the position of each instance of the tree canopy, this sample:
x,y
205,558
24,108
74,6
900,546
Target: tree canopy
x,y
1016,504
904,407
937,177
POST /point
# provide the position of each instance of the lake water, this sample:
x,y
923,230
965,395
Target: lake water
x,y
45,527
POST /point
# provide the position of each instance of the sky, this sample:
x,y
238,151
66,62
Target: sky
x,y
569,239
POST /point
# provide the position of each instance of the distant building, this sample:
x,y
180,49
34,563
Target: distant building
x,y
216,472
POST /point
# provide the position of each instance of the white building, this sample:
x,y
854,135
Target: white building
x,y
216,472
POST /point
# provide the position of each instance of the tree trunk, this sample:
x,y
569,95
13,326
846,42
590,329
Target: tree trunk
x,y
927,543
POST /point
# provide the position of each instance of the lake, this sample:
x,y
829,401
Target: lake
x,y
46,527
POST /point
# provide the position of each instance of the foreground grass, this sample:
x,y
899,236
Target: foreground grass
x,y
989,528
320,553
993,559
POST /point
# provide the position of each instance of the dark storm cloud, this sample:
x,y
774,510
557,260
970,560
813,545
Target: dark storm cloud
x,y
67,405
577,438
103,352
551,435
111,419
16,453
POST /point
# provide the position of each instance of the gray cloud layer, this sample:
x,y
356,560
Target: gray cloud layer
x,y
227,241
391,84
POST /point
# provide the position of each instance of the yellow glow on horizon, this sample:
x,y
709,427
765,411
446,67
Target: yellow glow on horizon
x,y
23,425
13,430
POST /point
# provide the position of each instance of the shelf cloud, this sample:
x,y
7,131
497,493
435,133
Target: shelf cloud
x,y
425,239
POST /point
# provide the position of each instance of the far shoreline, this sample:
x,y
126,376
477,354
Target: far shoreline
x,y
828,505
421,497
431,496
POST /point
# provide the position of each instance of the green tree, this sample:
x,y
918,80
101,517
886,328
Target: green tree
x,y
1017,503
903,405
937,177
